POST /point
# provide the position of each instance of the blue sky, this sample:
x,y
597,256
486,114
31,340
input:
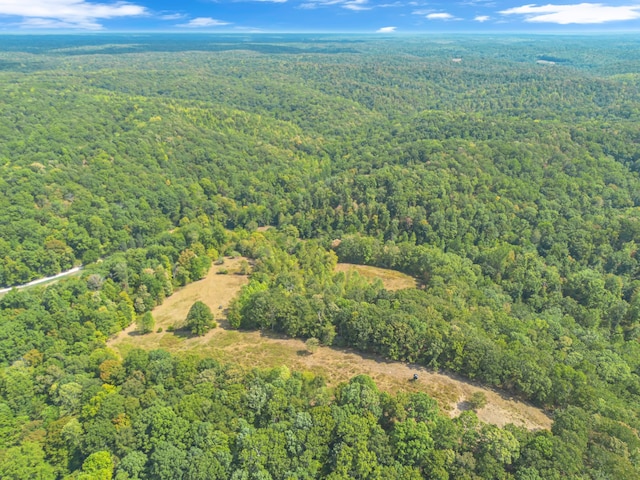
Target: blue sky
x,y
367,16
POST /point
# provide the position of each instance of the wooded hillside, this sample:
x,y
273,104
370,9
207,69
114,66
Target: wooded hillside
x,y
508,188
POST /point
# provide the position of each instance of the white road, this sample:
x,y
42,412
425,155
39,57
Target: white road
x,y
42,280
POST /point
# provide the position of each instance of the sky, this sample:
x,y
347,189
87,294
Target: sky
x,y
384,17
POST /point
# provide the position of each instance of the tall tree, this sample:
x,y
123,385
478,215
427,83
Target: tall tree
x,y
200,319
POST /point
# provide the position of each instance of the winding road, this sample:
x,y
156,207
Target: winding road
x,y
42,280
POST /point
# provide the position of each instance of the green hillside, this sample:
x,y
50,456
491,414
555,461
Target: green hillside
x,y
507,182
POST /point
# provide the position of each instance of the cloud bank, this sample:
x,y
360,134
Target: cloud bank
x,y
581,13
78,14
386,30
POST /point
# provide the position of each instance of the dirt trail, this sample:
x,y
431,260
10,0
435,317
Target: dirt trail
x,y
256,349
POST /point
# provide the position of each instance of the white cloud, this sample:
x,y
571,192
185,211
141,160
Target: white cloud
x,y
581,13
482,18
356,5
203,22
440,16
386,30
67,13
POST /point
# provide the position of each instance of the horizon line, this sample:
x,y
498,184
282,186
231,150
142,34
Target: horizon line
x,y
321,32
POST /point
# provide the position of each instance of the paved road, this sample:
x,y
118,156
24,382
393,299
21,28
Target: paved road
x,y
42,280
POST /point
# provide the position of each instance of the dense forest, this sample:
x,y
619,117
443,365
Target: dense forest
x,y
503,173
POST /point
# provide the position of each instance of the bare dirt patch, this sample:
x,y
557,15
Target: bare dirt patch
x,y
266,350
391,279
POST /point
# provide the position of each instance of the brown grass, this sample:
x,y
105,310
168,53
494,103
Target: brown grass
x,y
391,279
215,290
266,350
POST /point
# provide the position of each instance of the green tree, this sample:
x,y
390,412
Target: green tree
x,y
132,466
167,462
25,461
145,323
200,319
97,466
412,442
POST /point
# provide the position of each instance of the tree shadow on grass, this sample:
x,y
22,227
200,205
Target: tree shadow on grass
x,y
275,335
184,333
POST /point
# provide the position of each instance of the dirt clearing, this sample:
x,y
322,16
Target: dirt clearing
x,y
266,350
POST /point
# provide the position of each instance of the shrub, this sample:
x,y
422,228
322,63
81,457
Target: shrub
x,y
312,345
477,400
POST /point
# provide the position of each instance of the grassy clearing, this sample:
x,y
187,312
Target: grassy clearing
x,y
216,290
265,350
391,279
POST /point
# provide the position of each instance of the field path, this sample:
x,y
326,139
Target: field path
x,y
265,350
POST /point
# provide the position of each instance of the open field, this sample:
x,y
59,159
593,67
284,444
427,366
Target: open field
x,y
216,290
264,350
391,279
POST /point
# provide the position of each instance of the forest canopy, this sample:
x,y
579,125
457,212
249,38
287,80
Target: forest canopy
x,y
507,187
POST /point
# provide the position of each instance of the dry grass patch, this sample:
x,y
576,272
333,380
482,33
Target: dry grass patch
x,y
391,279
250,350
215,290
